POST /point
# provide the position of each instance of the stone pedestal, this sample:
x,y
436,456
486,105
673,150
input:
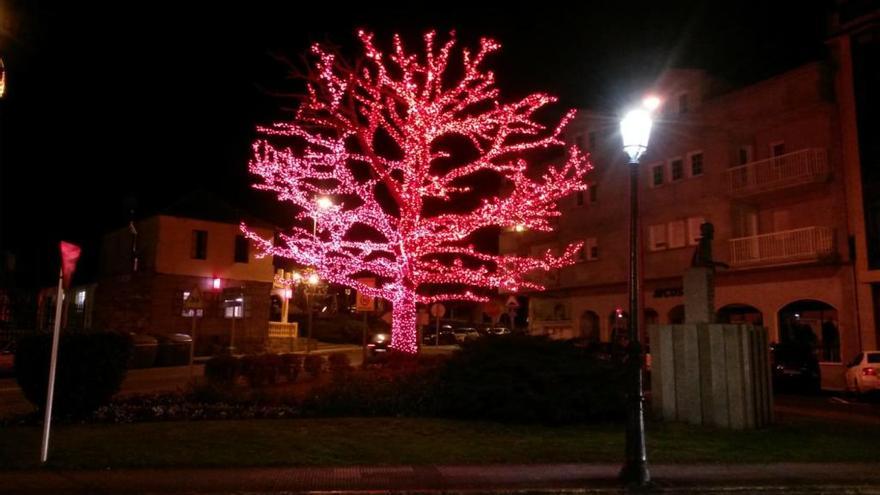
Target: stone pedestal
x,y
712,374
699,295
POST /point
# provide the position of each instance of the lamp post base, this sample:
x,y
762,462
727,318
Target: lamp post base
x,y
635,473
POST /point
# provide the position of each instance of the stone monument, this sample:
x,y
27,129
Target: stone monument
x,y
705,372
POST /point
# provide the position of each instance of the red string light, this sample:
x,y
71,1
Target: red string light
x,y
409,98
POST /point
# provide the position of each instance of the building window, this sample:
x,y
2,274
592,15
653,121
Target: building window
x,y
777,148
580,198
657,172
199,245
683,106
592,249
657,237
676,167
79,301
189,313
594,192
241,249
592,140
694,230
676,238
233,308
696,164
744,155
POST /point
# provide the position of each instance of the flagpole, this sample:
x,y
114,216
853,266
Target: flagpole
x,y
50,392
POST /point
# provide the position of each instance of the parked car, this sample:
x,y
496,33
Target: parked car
x,y
7,359
447,336
862,373
794,367
377,346
499,331
466,334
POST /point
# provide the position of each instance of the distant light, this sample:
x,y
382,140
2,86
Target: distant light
x,y
313,279
297,276
519,227
651,102
216,283
288,293
324,202
797,315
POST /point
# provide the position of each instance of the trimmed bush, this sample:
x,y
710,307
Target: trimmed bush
x,y
530,379
222,370
261,369
291,365
339,364
91,368
314,364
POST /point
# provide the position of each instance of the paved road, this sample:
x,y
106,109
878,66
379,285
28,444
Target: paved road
x,y
545,478
831,407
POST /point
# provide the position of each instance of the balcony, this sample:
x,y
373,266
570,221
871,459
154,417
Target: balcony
x,y
806,166
780,248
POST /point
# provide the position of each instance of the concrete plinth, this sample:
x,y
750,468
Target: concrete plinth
x,y
712,374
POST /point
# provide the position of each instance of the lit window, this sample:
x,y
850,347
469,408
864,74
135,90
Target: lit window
x,y
79,301
189,313
233,308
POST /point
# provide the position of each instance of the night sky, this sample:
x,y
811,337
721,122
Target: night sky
x,y
138,103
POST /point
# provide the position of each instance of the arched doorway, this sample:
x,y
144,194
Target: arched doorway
x,y
814,324
676,315
740,313
589,326
618,322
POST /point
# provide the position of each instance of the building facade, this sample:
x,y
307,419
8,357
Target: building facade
x,y
148,269
765,165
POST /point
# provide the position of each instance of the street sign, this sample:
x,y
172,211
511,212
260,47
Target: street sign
x,y
512,302
363,301
438,310
194,301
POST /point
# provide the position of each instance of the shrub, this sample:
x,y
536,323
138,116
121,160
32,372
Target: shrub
x,y
222,370
339,364
91,368
313,364
530,379
261,369
291,364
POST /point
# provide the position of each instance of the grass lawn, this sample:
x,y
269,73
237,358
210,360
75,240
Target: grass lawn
x,y
382,441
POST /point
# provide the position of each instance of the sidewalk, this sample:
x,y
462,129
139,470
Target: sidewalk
x,y
551,478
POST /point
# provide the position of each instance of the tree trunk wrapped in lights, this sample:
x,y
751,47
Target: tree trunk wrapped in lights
x,y
368,136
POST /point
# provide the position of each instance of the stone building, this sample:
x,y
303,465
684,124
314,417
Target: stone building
x,y
767,165
148,269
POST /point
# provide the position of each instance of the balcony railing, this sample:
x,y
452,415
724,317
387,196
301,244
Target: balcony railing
x,y
788,246
801,167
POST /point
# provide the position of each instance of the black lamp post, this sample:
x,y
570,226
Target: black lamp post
x,y
635,128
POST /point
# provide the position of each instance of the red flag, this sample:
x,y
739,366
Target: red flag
x,y
69,256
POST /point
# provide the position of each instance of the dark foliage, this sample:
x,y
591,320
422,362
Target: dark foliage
x,y
314,364
91,368
222,370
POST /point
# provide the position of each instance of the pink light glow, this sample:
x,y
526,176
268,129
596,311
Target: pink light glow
x,y
409,98
215,284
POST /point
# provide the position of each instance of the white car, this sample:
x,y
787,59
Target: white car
x,y
863,373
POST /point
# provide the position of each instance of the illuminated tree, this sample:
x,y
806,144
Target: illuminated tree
x,y
369,135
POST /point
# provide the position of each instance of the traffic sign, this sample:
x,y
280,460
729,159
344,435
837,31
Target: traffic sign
x,y
363,301
438,310
194,300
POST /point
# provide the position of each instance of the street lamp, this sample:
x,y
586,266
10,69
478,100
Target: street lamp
x,y
324,203
312,280
635,128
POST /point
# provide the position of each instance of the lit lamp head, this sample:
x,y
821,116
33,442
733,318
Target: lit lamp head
x,y
313,279
324,202
635,128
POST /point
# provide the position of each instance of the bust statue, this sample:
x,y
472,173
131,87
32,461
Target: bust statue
x,y
703,254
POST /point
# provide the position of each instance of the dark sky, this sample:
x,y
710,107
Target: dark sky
x,y
151,100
